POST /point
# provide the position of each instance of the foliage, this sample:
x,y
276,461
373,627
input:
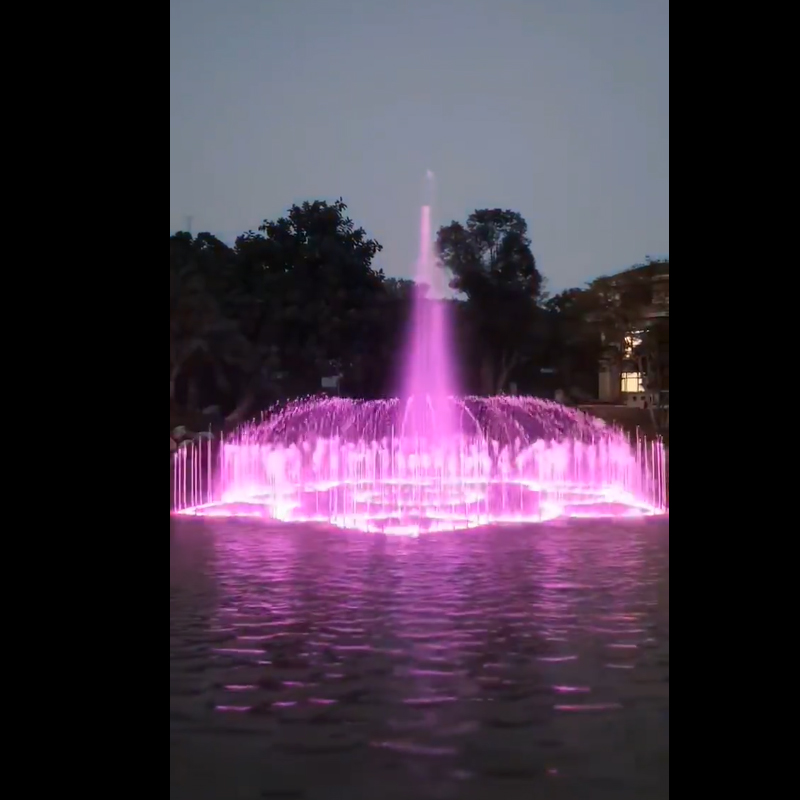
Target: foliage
x,y
301,299
634,321
574,344
297,298
312,274
493,267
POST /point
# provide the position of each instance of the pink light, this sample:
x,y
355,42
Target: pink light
x,y
430,462
404,484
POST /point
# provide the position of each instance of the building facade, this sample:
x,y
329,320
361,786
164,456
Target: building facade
x,y
634,321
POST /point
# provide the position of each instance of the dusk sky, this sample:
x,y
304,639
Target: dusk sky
x,y
558,109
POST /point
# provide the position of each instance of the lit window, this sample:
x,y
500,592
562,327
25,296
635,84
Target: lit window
x,y
632,382
632,343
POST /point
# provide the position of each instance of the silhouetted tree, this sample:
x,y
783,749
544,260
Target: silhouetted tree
x,y
203,339
574,344
300,298
294,301
317,285
492,264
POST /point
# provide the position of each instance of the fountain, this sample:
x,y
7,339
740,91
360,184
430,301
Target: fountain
x,y
431,461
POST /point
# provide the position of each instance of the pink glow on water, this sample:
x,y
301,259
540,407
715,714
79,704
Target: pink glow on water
x,y
432,461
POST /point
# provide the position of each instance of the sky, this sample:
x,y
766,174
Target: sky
x,y
558,109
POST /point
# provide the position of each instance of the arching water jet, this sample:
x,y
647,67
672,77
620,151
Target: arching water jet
x,y
358,466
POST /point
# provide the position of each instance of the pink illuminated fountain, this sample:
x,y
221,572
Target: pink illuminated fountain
x,y
432,461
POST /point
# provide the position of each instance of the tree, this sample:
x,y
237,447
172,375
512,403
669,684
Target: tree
x,y
310,288
631,312
574,345
492,264
619,303
297,300
403,289
201,336
653,361
653,355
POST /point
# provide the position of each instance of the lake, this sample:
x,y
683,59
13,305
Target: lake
x,y
499,663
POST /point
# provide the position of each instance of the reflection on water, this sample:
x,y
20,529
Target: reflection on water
x,y
501,663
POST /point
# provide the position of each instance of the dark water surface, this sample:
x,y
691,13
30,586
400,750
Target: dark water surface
x,y
502,664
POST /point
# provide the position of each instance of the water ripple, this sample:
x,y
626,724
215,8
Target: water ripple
x,y
315,664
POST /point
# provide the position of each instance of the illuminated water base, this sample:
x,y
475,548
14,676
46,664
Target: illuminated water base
x,y
363,466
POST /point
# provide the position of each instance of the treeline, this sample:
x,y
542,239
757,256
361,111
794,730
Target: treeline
x,y
300,300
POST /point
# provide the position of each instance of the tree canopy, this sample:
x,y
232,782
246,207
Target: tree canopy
x,y
301,299
493,267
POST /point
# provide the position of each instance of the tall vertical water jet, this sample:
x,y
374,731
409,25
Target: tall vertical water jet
x,y
428,367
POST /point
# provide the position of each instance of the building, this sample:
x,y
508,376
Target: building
x,y
634,322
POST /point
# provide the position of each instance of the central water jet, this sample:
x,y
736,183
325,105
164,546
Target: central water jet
x,y
429,383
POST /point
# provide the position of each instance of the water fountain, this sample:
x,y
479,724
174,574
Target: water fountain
x,y
431,461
